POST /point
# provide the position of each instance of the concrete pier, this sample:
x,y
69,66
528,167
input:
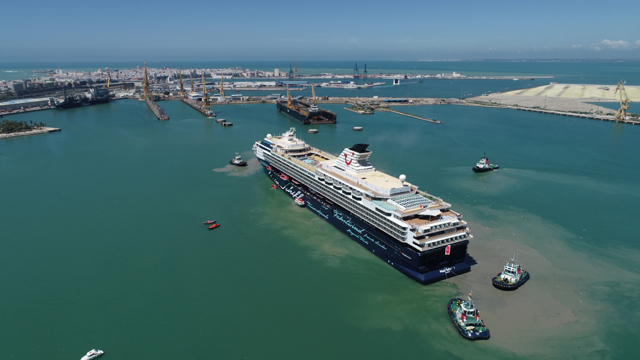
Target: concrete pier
x,y
157,110
198,108
409,115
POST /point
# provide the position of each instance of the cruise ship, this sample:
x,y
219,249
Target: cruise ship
x,y
411,230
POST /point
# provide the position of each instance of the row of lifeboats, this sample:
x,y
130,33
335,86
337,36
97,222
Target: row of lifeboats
x,y
212,224
299,200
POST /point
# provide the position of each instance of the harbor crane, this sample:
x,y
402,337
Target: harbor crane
x,y
206,101
147,92
314,106
181,86
222,86
621,115
191,77
108,80
295,70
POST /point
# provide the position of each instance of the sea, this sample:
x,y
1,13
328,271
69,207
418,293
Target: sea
x,y
102,243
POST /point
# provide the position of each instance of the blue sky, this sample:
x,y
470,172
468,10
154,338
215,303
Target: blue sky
x,y
319,30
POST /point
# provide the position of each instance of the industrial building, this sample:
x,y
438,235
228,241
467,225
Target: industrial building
x,y
24,103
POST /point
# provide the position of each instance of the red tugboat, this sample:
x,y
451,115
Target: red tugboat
x,y
213,226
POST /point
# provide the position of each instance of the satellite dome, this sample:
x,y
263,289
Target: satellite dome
x,y
268,136
402,178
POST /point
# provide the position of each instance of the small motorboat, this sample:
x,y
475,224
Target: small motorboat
x,y
466,319
484,166
213,226
209,222
357,128
273,186
237,161
300,202
511,277
92,354
269,168
313,131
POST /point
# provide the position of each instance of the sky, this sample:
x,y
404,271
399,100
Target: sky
x,y
70,30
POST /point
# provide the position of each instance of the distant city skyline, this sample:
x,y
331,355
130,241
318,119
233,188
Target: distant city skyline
x,y
38,31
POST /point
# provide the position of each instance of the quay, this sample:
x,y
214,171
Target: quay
x,y
157,110
45,130
381,108
199,108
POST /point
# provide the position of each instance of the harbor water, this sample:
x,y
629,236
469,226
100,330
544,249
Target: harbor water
x,y
102,243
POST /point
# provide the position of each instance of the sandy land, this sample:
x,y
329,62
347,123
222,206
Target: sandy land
x,y
593,93
27,133
559,104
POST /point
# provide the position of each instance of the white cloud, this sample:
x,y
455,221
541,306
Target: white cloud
x,y
607,44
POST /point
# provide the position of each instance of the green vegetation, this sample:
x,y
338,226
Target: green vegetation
x,y
8,126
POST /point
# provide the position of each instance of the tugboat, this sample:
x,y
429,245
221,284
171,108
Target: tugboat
x,y
92,354
300,202
484,166
511,277
209,222
466,319
237,161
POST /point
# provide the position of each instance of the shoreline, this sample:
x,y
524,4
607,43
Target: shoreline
x,y
45,130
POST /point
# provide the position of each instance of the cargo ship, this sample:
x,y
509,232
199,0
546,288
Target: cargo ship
x,y
414,232
307,114
94,97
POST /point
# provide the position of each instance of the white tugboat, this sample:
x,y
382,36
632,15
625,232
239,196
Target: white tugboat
x,y
511,277
484,166
237,161
467,320
92,354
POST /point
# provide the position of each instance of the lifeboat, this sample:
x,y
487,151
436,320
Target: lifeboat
x,y
284,177
268,167
273,186
213,226
208,222
295,181
300,202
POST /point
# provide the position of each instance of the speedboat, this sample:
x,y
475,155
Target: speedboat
x,y
237,161
484,166
92,354
208,222
213,226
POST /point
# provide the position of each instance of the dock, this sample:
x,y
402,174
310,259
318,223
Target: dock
x,y
157,110
382,108
198,108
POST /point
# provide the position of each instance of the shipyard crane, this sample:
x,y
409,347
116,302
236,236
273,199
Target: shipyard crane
x,y
191,77
206,103
288,98
295,70
108,80
222,86
147,93
314,106
181,85
364,75
621,115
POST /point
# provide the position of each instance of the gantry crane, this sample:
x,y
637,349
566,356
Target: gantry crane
x,y
222,86
206,102
181,86
621,115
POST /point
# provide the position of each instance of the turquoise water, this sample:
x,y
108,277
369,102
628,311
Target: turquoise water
x,y
102,243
